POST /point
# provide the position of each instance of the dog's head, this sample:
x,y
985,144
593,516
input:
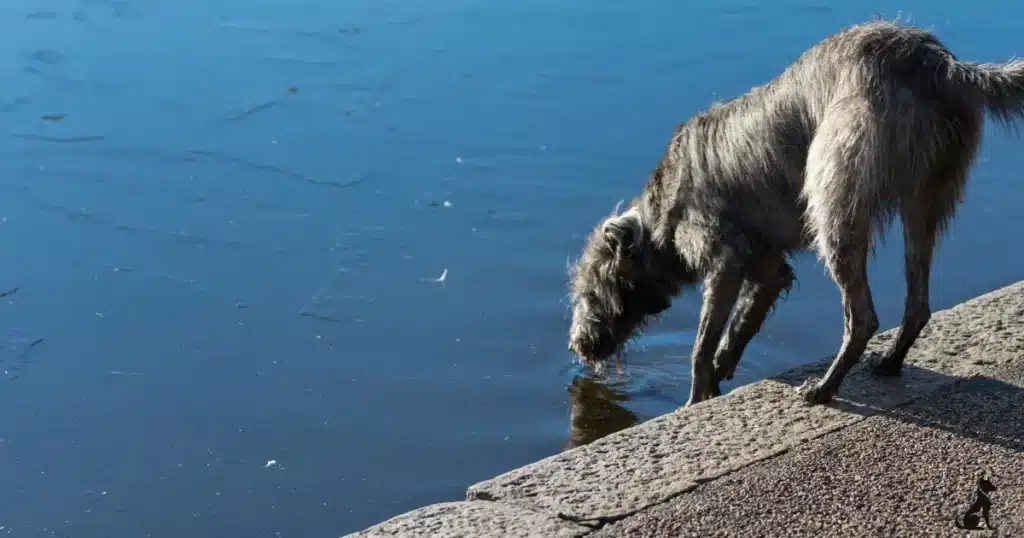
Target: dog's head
x,y
985,485
621,280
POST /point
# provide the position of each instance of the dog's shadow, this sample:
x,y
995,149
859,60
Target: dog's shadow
x,y
867,395
980,408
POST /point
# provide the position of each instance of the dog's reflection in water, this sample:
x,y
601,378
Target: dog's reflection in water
x,y
596,410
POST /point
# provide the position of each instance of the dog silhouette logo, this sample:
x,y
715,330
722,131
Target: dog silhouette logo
x,y
980,509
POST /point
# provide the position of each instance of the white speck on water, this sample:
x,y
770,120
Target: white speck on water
x,y
440,279
100,315
458,160
270,463
447,203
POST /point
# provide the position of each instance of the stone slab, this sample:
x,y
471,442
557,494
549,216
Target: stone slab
x,y
908,472
471,520
670,455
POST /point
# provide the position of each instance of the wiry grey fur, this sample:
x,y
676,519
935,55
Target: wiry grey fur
x,y
875,121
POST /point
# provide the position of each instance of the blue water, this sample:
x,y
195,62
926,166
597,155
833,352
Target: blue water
x,y
222,221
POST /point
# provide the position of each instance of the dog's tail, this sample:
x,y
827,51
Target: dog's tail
x,y
999,87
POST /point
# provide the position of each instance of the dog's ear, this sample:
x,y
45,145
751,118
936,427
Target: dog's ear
x,y
623,233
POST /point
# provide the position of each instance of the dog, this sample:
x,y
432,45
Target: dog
x,y
876,121
982,504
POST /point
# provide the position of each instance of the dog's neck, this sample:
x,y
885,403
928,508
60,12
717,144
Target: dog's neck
x,y
982,494
657,236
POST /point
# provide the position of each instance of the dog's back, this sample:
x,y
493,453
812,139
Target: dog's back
x,y
889,101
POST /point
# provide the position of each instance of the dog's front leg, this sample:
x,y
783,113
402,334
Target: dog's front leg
x,y
721,289
761,288
985,509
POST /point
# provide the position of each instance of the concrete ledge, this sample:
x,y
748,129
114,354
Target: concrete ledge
x,y
466,519
637,469
909,472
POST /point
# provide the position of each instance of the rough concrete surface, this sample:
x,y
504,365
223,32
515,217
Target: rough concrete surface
x,y
472,519
909,472
891,457
669,455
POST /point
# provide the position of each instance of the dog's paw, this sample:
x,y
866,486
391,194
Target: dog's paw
x,y
812,392
882,365
712,392
724,371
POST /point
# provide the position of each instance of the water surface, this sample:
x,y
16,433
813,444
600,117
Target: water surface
x,y
224,222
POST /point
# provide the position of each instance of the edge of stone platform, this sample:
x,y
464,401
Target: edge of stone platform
x,y
578,491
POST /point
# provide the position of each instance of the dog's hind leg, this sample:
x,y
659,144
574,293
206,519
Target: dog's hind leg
x,y
919,237
925,215
844,177
761,288
860,322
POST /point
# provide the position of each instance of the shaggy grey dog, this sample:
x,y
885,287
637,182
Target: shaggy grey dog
x,y
875,121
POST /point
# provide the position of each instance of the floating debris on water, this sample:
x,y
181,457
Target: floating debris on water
x,y
59,139
320,317
255,109
275,169
243,26
52,117
41,15
16,355
439,280
301,60
46,56
270,463
260,107
9,292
